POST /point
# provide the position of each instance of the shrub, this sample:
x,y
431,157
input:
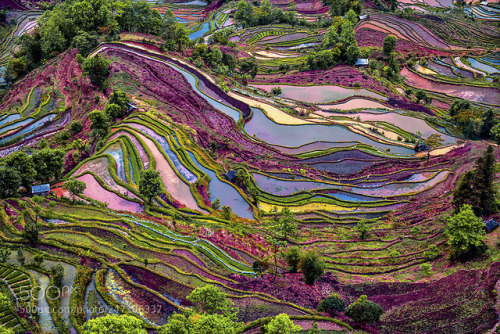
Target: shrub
x,y
311,266
276,90
364,311
292,257
332,304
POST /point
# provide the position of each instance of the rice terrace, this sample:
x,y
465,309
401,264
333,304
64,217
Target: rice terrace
x,y
249,166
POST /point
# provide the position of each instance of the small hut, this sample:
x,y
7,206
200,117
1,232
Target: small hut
x,y
41,189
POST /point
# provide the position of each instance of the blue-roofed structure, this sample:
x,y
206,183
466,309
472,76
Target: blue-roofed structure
x,y
490,224
41,189
231,175
362,62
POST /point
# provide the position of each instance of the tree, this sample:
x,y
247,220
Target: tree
x,y
292,257
331,304
121,99
259,267
408,92
23,165
286,225
226,212
484,182
244,14
150,184
99,123
495,133
31,232
363,229
420,95
215,204
52,41
58,275
75,187
75,127
213,324
48,164
211,300
113,110
85,42
9,182
311,266
432,142
465,233
20,256
177,324
282,324
4,254
466,193
111,324
489,121
97,69
389,45
364,311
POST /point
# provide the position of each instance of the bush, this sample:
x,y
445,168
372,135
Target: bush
x,y
292,257
311,266
276,90
332,304
364,311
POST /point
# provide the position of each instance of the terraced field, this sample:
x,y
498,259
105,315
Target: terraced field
x,y
342,153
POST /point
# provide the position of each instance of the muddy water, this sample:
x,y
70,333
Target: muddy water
x,y
476,94
319,94
297,135
115,202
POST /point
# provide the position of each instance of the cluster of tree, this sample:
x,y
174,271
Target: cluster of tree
x,y
21,170
212,312
389,68
83,23
248,15
339,44
361,311
221,36
175,35
244,180
309,263
477,187
420,95
474,123
341,7
116,107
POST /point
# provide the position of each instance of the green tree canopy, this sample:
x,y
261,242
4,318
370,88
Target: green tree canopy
x,y
211,300
286,225
150,184
331,304
364,311
292,257
99,123
114,324
97,69
282,324
48,164
311,266
389,45
85,42
465,232
75,187
23,165
9,182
